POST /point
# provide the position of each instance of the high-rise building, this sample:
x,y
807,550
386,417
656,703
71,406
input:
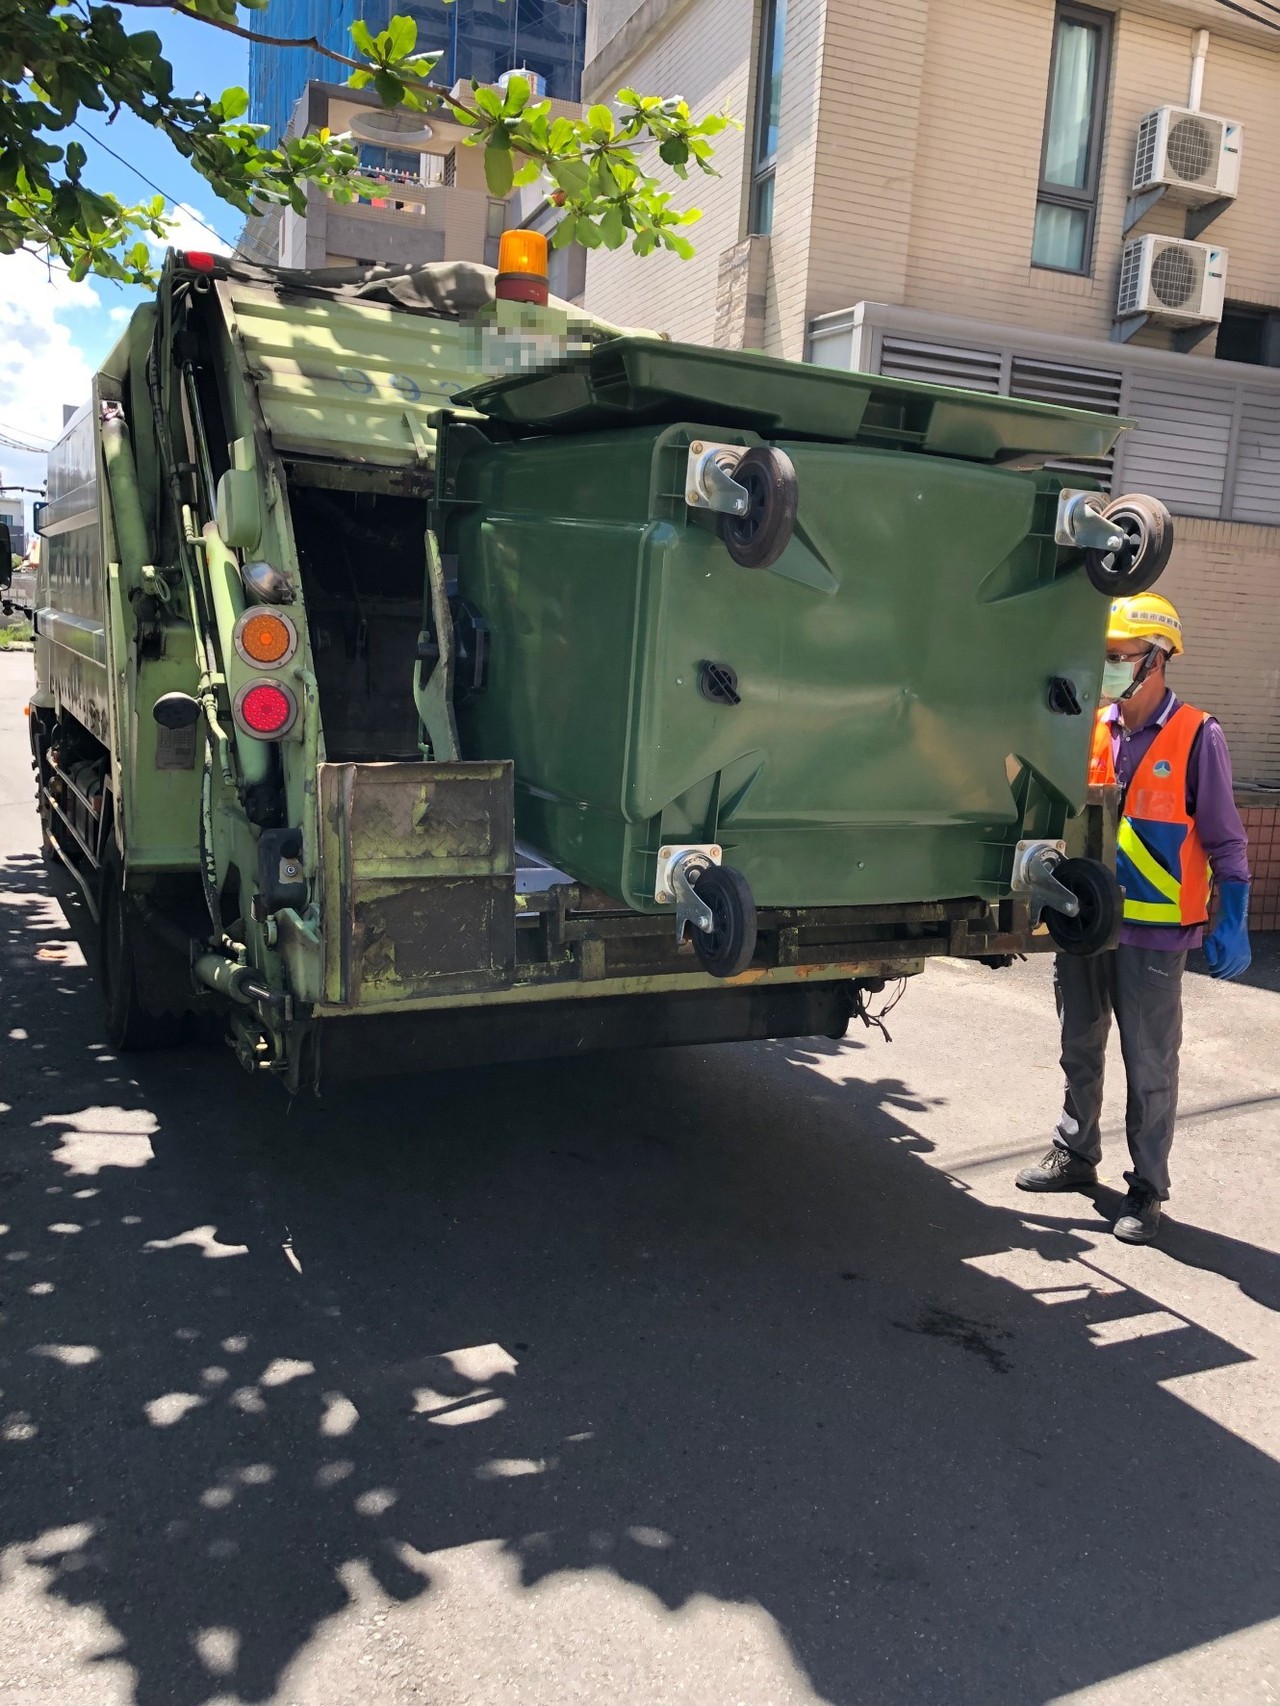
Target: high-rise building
x,y
476,38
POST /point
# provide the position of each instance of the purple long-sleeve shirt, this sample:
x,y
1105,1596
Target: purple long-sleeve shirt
x,y
1210,801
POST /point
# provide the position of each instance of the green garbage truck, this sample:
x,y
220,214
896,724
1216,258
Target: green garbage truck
x,y
426,677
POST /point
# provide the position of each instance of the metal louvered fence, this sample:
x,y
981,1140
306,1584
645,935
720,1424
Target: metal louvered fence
x,y
1207,439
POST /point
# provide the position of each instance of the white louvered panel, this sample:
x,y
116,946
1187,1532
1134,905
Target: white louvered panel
x,y
940,364
1178,450
1094,388
1257,494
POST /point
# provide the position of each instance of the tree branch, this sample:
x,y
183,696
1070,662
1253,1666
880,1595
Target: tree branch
x,y
311,42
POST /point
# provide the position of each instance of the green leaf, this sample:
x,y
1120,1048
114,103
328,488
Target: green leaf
x,y
390,88
529,173
675,151
362,38
572,176
76,158
488,101
589,234
517,98
234,102
402,34
600,118
612,229
565,231
499,169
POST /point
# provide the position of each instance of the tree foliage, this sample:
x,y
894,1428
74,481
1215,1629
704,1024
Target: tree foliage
x,y
59,58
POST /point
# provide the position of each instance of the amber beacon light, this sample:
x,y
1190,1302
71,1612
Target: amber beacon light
x,y
522,267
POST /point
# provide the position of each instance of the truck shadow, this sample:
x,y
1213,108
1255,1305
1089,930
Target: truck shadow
x,y
706,1322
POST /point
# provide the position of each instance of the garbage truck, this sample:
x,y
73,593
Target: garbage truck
x,y
428,674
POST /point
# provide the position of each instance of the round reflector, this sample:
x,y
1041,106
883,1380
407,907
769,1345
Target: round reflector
x,y
265,638
265,709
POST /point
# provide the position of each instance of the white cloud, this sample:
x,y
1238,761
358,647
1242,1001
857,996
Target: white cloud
x,y
55,334
42,364
186,232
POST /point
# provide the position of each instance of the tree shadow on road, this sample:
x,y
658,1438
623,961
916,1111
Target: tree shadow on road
x,y
706,1320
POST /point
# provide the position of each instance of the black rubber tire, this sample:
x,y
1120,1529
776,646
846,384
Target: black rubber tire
x,y
131,1027
727,948
758,538
1096,927
1139,563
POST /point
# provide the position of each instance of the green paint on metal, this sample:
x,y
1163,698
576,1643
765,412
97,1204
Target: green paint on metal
x,y
637,379
866,760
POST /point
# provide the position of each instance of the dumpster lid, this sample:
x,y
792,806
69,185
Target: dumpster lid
x,y
634,381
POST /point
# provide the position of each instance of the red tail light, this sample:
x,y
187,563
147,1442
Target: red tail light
x,y
265,709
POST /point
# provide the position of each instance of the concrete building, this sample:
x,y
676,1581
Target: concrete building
x,y
943,189
431,203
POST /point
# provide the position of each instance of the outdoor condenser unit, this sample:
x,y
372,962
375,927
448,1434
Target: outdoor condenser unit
x,y
1194,157
1172,280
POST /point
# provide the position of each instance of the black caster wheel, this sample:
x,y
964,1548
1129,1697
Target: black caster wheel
x,y
1138,563
758,538
1096,927
726,949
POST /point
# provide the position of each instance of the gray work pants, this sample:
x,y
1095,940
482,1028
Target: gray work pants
x,y
1143,987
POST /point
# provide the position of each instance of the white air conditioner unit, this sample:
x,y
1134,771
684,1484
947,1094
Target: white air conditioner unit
x,y
1193,157
1172,280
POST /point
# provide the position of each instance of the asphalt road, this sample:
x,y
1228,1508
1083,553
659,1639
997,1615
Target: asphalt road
x,y
736,1377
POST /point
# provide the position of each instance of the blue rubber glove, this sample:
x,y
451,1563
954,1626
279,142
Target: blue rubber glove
x,y
1227,949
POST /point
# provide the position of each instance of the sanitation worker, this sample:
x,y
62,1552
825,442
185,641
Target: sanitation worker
x,y
1179,827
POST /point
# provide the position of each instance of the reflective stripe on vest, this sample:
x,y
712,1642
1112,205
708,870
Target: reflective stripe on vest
x,y
1160,861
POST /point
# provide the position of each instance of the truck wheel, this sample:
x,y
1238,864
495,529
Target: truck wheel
x,y
131,1027
726,949
1096,927
1138,564
759,537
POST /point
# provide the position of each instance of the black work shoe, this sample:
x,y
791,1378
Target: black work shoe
x,y
1059,1171
1139,1217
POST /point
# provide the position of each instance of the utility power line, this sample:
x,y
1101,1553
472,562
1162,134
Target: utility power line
x,y
149,182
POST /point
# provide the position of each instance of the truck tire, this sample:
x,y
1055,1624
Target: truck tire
x,y
132,1027
39,737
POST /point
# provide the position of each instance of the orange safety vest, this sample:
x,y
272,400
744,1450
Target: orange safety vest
x,y
1160,860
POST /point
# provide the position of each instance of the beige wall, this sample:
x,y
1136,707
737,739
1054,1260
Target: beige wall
x,y
705,56
1225,580
910,156
977,163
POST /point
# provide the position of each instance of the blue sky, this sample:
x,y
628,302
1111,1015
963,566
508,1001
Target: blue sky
x,y
53,334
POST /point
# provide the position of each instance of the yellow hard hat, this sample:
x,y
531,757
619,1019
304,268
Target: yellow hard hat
x,y
1146,616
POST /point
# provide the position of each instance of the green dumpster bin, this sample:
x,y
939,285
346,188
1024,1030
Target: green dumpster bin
x,y
814,627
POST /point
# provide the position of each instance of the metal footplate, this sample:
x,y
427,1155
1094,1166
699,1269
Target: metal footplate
x,y
709,482
1080,521
1034,863
677,868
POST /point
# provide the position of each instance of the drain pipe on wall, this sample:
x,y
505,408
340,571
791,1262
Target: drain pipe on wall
x,y
1198,58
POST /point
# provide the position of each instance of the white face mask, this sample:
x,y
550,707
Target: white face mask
x,y
1117,678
